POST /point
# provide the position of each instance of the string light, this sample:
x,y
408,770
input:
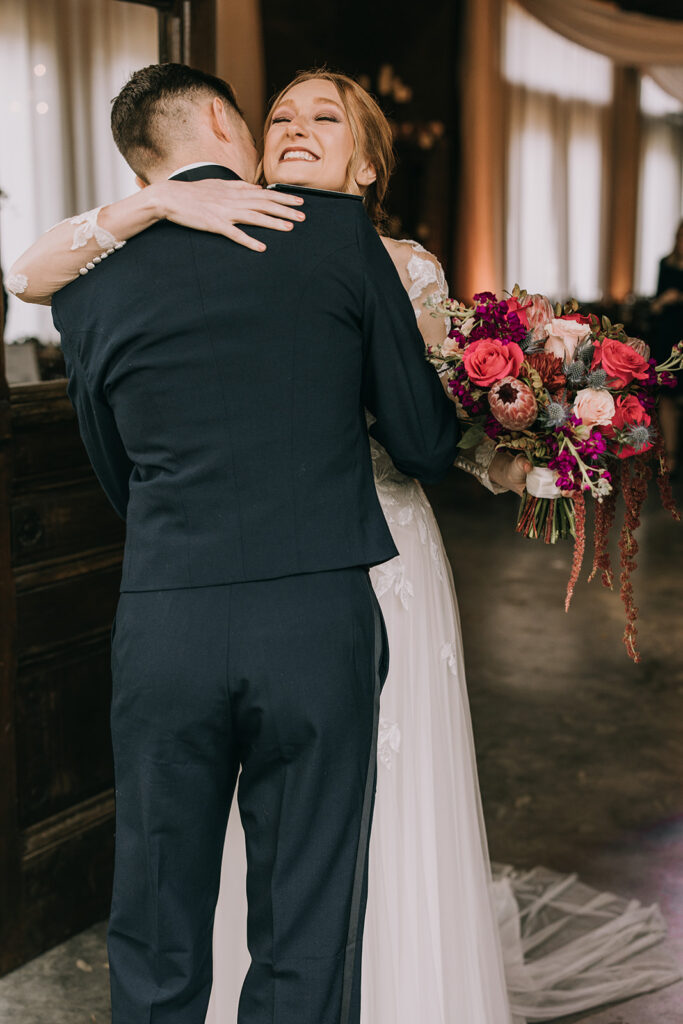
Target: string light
x,y
39,70
42,108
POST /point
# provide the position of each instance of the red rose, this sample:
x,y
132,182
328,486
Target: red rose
x,y
489,360
628,412
576,316
621,363
515,306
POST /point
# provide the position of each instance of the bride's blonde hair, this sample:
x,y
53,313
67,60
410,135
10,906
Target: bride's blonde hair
x,y
371,135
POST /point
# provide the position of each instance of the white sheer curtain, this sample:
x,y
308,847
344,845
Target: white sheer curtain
x,y
61,63
660,202
557,121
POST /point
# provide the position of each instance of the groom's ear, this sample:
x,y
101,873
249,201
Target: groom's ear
x,y
220,123
140,182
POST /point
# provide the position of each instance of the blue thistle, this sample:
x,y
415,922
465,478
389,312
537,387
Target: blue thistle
x,y
584,352
597,379
531,344
575,372
637,437
555,415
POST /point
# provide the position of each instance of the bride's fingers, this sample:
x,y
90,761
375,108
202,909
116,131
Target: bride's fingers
x,y
264,220
281,211
244,191
221,226
274,209
242,238
234,212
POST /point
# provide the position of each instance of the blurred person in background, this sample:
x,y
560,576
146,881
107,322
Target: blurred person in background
x,y
668,330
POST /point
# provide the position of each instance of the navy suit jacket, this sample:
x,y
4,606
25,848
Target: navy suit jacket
x,y
220,394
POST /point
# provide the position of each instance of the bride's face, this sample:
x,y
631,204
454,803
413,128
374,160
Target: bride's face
x,y
309,141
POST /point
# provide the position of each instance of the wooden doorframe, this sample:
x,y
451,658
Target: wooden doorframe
x,y
9,832
187,31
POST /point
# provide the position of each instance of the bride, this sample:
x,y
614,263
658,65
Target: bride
x,y
444,942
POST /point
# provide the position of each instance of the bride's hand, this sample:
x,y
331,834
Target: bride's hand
x,y
215,205
510,471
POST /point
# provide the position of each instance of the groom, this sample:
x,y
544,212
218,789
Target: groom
x,y
221,394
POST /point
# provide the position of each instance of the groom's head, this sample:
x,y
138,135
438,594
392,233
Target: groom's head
x,y
169,115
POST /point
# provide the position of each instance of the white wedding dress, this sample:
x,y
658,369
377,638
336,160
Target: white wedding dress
x,y
445,943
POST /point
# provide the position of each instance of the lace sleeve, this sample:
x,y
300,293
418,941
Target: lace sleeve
x,y
425,279
76,246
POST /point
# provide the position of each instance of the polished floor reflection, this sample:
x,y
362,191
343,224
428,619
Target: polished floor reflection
x,y
580,752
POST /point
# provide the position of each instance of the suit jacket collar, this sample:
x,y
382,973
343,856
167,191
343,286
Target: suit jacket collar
x,y
205,171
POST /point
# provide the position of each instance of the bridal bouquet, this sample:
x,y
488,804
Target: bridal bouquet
x,y
577,396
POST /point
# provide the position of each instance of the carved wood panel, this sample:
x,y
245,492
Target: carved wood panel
x,y
65,546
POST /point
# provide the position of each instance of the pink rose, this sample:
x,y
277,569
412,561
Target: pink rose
x,y
594,407
564,334
489,360
621,362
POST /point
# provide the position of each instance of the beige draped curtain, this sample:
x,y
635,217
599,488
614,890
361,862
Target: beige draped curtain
x,y
624,37
670,79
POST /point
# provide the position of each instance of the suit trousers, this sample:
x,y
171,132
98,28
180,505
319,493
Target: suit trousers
x,y
281,679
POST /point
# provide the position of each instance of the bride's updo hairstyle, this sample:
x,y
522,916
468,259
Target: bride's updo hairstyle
x,y
371,132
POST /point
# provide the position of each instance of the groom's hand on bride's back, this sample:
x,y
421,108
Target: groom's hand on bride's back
x,y
218,206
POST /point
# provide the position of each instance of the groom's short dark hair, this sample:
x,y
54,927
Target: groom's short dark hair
x,y
151,101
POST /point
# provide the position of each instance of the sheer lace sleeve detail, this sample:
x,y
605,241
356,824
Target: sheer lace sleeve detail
x,y
477,461
425,276
87,227
17,284
425,271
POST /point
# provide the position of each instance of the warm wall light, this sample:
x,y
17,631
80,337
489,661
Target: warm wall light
x,y
39,70
42,108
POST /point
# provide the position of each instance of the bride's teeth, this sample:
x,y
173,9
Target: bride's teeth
x,y
298,154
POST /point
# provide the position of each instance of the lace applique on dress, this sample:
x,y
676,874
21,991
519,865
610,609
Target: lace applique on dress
x,y
404,503
392,576
87,227
423,273
448,654
17,284
388,742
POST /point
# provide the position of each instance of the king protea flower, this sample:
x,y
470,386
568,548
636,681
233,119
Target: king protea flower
x,y
513,403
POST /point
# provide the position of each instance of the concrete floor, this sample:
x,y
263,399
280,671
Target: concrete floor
x,y
580,752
